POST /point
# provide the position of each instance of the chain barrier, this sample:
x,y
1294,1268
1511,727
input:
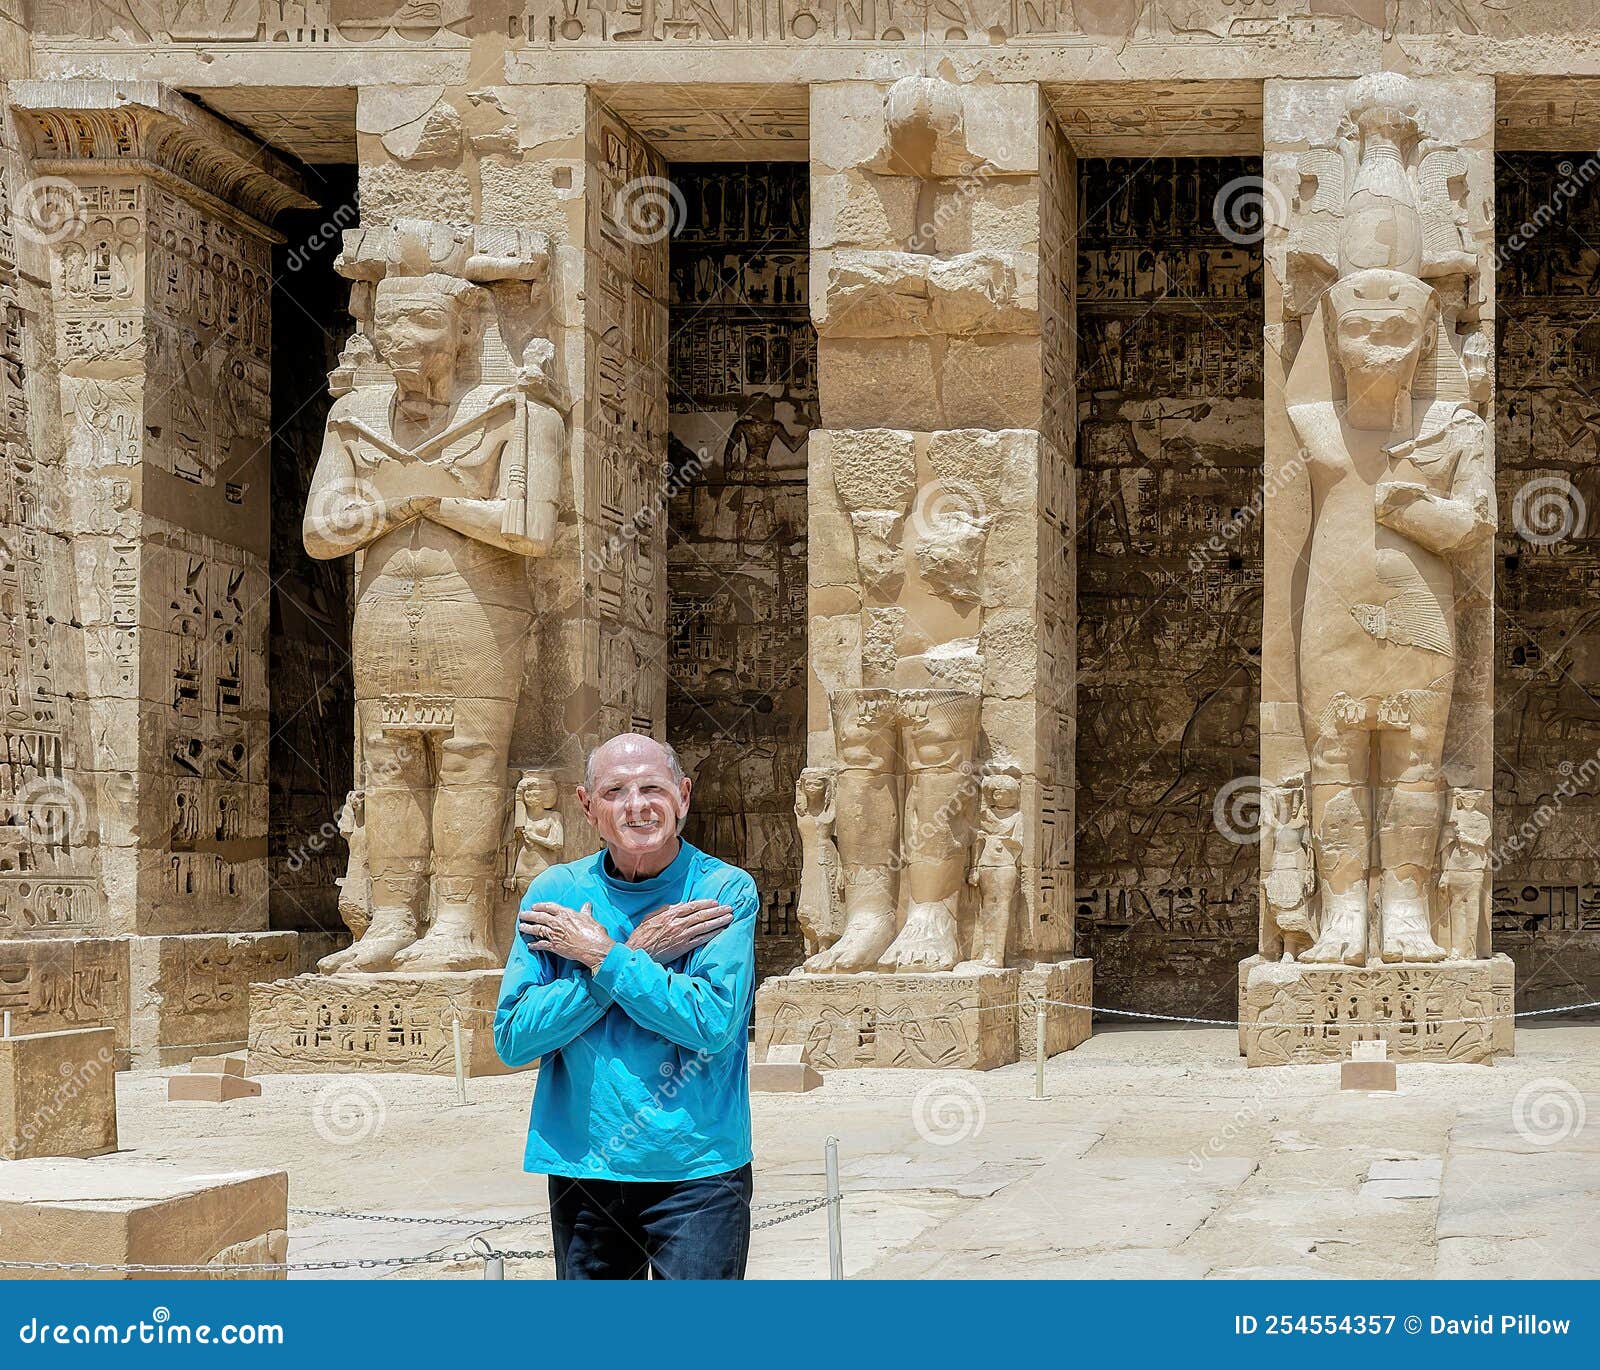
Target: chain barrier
x,y
494,1257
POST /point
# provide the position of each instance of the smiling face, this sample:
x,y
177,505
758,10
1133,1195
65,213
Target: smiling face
x,y
636,803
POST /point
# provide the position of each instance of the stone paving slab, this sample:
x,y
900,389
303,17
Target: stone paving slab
x,y
1156,1155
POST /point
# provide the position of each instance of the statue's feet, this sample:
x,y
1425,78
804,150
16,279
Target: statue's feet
x,y
1405,934
447,947
377,950
926,943
1344,939
859,946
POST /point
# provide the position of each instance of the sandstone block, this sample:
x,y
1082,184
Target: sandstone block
x,y
952,1020
385,1022
1367,1075
211,1089
1063,982
119,1211
1297,1013
58,1094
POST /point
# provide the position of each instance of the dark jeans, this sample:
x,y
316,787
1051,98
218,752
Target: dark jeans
x,y
672,1229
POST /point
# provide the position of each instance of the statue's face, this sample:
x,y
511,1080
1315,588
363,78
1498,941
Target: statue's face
x,y
539,792
416,337
1375,343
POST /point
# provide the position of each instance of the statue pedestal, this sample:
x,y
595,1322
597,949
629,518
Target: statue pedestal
x,y
392,1021
953,1020
1291,1013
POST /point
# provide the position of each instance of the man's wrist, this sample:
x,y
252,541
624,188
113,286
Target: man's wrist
x,y
598,954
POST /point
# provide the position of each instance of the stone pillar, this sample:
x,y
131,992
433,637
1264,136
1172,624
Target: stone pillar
x,y
936,811
538,222
1377,676
145,821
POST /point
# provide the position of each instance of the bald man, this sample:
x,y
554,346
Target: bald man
x,y
631,980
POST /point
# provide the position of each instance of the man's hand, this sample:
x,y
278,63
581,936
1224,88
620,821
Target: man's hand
x,y
674,929
560,931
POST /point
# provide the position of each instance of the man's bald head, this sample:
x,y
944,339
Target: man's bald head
x,y
630,747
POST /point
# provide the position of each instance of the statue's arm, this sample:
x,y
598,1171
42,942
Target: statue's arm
x,y
343,515
538,471
1445,523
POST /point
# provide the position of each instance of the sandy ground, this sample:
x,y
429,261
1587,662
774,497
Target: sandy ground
x,y
1156,1154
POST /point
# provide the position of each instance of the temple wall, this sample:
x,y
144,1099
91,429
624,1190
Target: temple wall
x,y
1169,575
743,400
1547,626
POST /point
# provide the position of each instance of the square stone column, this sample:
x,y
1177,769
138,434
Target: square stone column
x,y
1377,674
936,813
558,216
138,797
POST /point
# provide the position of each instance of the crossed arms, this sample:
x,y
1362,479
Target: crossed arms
x,y
701,1007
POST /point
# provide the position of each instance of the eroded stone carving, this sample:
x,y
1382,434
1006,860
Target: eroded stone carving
x,y
1290,877
443,470
1380,402
820,901
538,836
997,866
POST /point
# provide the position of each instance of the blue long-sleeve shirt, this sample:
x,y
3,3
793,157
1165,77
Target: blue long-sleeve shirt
x,y
643,1073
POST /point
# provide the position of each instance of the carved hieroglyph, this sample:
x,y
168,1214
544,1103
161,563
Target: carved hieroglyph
x,y
1384,467
442,468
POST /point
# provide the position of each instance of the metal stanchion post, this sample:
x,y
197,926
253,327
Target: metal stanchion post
x,y
461,1066
494,1268
835,1198
1040,1017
